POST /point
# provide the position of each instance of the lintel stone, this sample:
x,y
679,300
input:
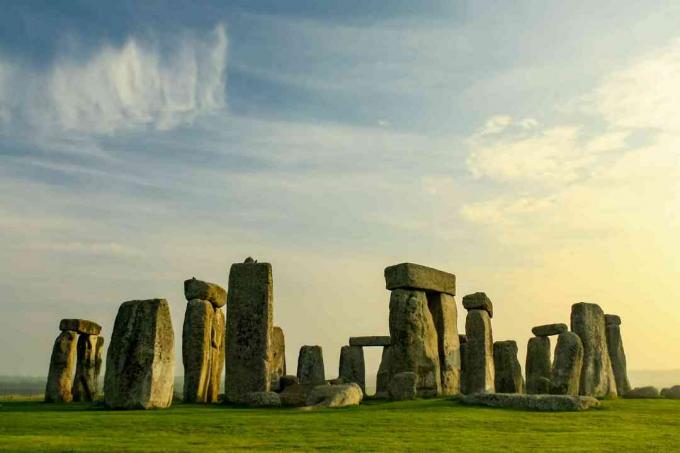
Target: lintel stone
x,y
370,341
547,330
81,326
416,276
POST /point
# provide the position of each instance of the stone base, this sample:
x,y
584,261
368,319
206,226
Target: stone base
x,y
547,403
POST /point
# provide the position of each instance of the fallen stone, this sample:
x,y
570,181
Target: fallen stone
x,y
403,386
597,376
286,381
617,355
212,292
98,361
85,381
352,367
335,396
295,395
566,368
478,301
197,350
370,341
384,374
479,367
249,330
672,392
80,326
414,340
538,365
642,392
508,371
310,368
140,361
416,276
62,366
547,330
445,317
262,399
546,403
217,347
278,358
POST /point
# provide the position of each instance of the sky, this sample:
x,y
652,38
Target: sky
x,y
531,148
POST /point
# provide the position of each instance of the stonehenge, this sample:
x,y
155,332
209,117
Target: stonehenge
x,y
278,369
567,364
403,386
73,373
141,357
203,340
538,366
616,353
310,369
479,364
507,370
352,367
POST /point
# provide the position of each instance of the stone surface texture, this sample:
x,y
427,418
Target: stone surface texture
x,y
642,392
416,276
617,355
479,367
612,320
403,386
352,366
384,374
478,301
98,362
547,330
370,341
278,368
85,381
414,340
217,347
546,403
463,359
140,361
80,326
508,371
538,366
310,368
262,399
295,395
249,330
567,364
597,376
442,307
671,392
197,350
212,292
286,381
335,396
62,366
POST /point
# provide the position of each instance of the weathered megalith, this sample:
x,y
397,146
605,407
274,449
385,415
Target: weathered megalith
x,y
566,368
335,396
414,340
62,365
384,374
249,330
547,330
140,360
538,365
508,371
478,301
197,335
352,366
597,376
310,369
85,381
545,403
462,340
671,392
278,368
616,353
217,345
642,392
416,276
370,341
262,399
479,366
98,360
213,293
403,386
81,326
442,306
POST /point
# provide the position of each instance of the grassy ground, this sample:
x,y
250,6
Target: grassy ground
x,y
423,425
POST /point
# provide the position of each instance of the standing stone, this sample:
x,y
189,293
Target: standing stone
x,y
414,340
249,330
197,335
382,380
62,366
197,289
597,376
479,367
616,353
352,367
310,369
462,339
85,381
445,317
217,345
508,371
478,301
403,386
538,365
566,369
278,358
99,355
140,362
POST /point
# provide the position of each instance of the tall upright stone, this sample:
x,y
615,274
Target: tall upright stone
x,y
442,306
62,366
140,361
98,361
278,357
85,381
384,375
217,346
479,366
508,371
616,353
310,368
197,336
249,330
566,368
538,366
414,340
462,340
352,366
597,376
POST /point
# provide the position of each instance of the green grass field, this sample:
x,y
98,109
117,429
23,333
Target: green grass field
x,y
423,425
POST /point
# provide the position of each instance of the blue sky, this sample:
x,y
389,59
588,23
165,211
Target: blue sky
x,y
529,147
